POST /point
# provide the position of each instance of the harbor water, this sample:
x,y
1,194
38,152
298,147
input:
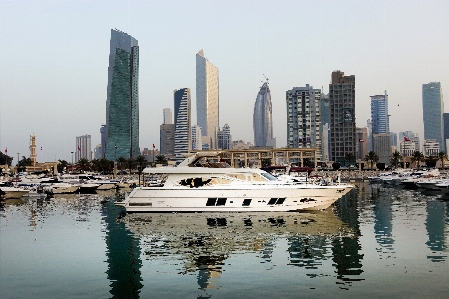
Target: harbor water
x,y
375,242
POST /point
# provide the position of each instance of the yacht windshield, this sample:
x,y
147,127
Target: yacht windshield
x,y
268,176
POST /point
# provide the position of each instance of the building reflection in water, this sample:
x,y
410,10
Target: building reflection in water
x,y
383,226
205,240
435,226
346,256
123,255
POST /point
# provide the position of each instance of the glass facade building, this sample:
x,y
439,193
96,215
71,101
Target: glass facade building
x,y
433,108
122,104
183,133
263,119
207,99
379,114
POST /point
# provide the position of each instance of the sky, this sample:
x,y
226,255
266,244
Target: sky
x,y
55,54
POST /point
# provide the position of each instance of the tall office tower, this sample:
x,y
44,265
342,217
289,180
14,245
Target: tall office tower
x,y
304,118
83,148
446,131
433,108
97,152
104,140
122,104
183,133
167,140
369,125
394,139
197,143
379,119
382,147
207,111
362,138
225,138
325,143
168,116
325,136
324,109
342,116
379,114
262,118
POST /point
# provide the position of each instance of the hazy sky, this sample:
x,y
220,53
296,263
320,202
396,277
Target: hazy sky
x,y
54,61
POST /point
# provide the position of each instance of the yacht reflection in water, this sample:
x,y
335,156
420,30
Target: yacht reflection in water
x,y
205,240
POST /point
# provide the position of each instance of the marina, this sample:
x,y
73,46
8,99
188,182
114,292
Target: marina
x,y
375,241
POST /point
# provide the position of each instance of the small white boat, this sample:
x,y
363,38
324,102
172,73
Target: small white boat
x,y
12,192
61,188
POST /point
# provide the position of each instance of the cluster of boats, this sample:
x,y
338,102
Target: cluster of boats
x,y
62,184
430,179
201,183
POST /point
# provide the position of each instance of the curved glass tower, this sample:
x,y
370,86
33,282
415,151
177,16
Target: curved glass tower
x,y
122,104
262,118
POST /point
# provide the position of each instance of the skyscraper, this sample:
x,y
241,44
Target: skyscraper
x,y
225,138
379,114
342,116
207,99
122,104
197,143
168,116
433,108
262,118
83,148
104,141
167,134
304,118
446,130
183,133
380,125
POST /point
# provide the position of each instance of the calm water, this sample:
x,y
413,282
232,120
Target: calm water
x,y
374,243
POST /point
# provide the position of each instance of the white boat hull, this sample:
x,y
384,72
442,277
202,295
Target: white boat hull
x,y
265,198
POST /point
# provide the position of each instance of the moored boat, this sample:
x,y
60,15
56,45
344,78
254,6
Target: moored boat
x,y
12,192
210,189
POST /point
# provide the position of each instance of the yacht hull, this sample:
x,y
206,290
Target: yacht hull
x,y
264,198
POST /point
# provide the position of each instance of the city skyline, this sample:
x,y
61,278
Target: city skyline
x,y
55,55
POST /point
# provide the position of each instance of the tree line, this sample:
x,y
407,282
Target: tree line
x,y
417,157
96,165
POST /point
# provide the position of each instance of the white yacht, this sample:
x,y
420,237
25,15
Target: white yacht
x,y
214,188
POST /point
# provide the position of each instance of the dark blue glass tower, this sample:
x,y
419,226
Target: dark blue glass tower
x,y
122,104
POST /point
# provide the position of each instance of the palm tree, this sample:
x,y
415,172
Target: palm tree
x,y
131,164
160,159
395,158
141,163
62,165
417,157
372,157
442,157
121,163
349,157
102,165
83,164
